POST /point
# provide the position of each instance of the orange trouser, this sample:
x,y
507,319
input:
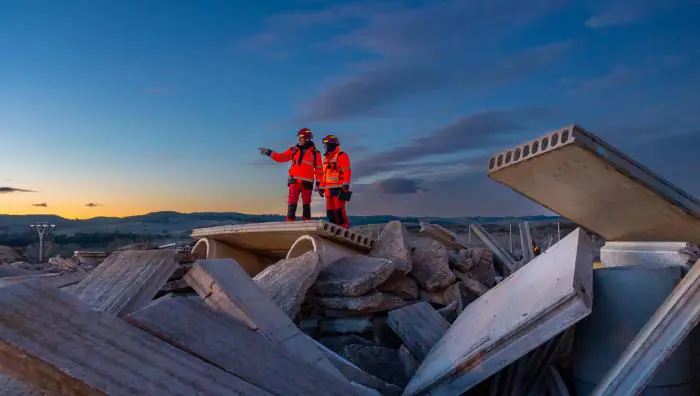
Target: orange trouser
x,y
297,188
335,208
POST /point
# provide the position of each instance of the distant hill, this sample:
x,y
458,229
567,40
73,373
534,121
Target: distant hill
x,y
176,223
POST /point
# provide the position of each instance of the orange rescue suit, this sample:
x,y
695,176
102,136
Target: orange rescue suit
x,y
336,169
306,163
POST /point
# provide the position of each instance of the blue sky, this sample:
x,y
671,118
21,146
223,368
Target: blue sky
x,y
137,106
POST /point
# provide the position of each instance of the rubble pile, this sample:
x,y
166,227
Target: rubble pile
x,y
311,308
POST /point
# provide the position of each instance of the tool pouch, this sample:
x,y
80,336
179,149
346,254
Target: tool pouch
x,y
307,185
291,181
345,195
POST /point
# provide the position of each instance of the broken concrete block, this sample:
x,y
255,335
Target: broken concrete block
x,y
346,325
337,343
479,263
226,287
472,284
126,280
372,302
430,267
404,287
13,387
419,326
288,281
383,334
410,363
190,325
357,375
327,250
502,326
393,245
310,326
436,298
353,276
65,347
383,363
450,312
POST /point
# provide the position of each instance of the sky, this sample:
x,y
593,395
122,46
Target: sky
x,y
116,108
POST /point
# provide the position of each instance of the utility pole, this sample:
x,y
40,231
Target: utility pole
x,y
42,229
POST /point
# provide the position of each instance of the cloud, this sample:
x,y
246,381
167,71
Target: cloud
x,y
465,135
8,190
619,75
92,205
413,49
626,12
396,185
41,205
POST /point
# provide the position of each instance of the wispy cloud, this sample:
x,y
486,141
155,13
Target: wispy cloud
x,y
619,75
41,205
396,185
92,205
626,12
414,48
9,190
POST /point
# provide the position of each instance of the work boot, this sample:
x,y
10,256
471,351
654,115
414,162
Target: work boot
x,y
306,212
330,214
291,212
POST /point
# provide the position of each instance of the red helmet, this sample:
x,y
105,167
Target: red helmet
x,y
331,139
305,133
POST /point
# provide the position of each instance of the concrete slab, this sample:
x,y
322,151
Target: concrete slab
x,y
210,249
579,176
328,250
126,280
501,326
190,325
419,326
67,348
277,238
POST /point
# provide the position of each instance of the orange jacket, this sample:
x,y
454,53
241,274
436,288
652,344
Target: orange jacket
x,y
306,162
336,169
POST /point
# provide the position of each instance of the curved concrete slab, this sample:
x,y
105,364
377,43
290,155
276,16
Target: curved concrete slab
x,y
209,249
329,251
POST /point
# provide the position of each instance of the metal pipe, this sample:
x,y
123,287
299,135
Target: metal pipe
x,y
524,250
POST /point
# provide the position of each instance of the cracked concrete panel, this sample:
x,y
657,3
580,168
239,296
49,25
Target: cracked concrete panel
x,y
404,287
479,263
354,276
431,267
372,302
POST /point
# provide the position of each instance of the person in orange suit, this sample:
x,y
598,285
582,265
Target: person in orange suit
x,y
335,182
306,166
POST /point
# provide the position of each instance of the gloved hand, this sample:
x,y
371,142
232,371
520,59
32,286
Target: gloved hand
x,y
265,151
322,192
346,187
317,187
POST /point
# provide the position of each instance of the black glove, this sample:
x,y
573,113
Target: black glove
x,y
346,187
321,192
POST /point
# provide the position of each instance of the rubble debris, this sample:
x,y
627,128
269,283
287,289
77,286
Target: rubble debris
x,y
657,340
598,187
419,326
450,312
357,375
226,287
64,264
126,280
508,264
435,298
479,263
382,334
353,276
123,360
138,246
372,302
393,245
383,363
430,267
345,325
310,326
558,285
8,270
89,260
9,255
410,363
338,342
470,283
404,287
287,281
190,325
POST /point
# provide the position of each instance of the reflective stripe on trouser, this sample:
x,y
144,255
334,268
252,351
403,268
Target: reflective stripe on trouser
x,y
295,189
335,208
